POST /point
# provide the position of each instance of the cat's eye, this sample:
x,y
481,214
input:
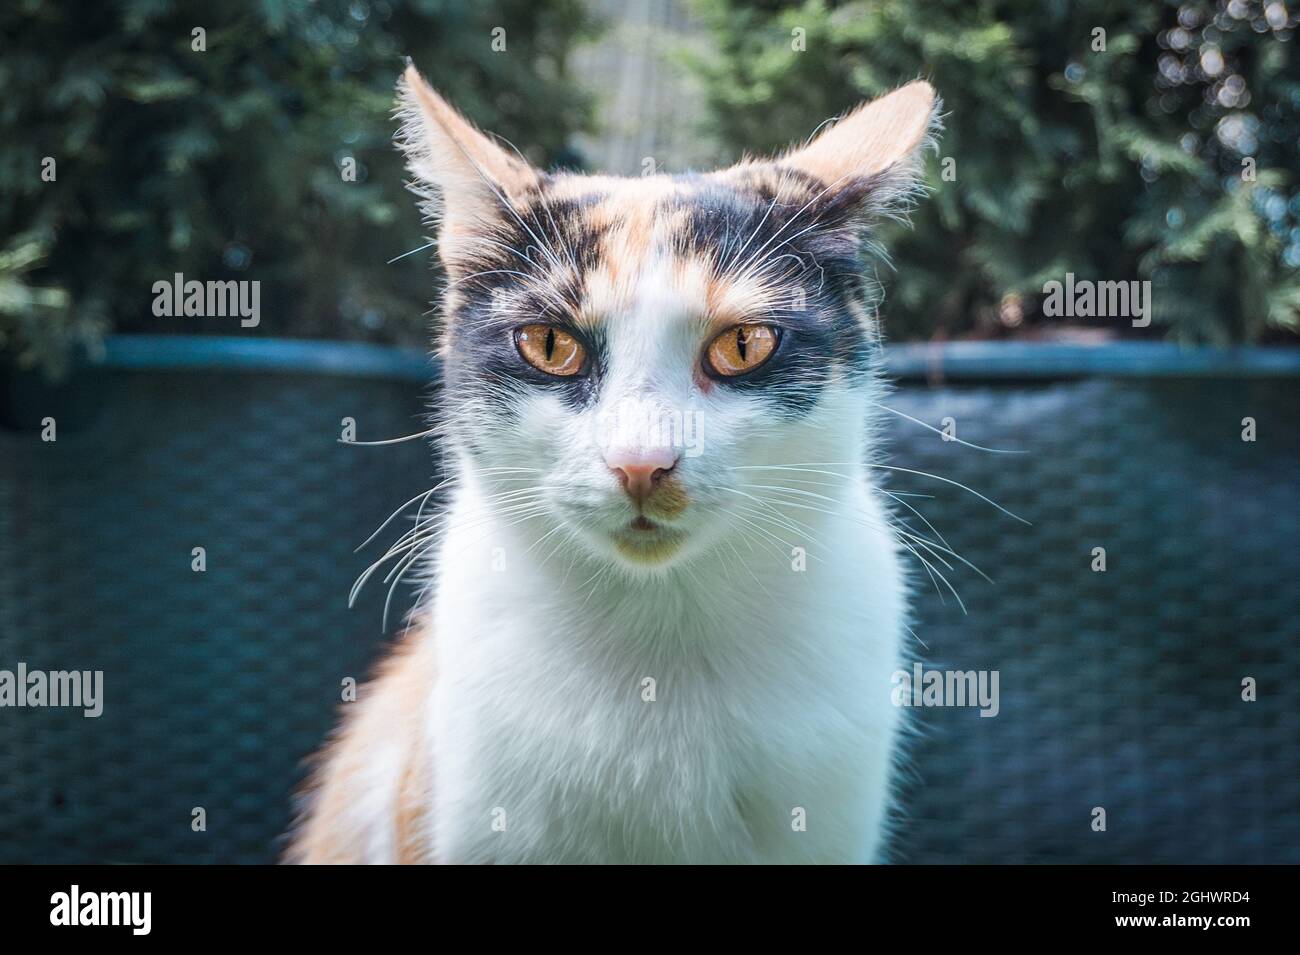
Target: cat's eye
x,y
551,350
741,349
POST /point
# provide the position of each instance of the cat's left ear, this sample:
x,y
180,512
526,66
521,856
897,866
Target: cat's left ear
x,y
873,156
466,181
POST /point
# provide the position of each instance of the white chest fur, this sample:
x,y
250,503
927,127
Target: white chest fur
x,y
725,713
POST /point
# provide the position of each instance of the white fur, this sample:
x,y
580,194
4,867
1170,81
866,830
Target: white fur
x,y
772,686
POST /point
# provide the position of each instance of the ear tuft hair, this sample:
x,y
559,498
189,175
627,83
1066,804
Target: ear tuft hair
x,y
463,178
870,160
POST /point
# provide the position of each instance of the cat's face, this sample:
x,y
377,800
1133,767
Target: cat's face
x,y
634,364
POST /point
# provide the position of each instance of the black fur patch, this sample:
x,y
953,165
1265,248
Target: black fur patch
x,y
522,256
812,239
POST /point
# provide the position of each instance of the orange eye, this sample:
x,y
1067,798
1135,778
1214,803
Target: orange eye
x,y
741,349
551,350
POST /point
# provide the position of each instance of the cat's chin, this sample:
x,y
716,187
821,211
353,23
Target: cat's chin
x,y
648,544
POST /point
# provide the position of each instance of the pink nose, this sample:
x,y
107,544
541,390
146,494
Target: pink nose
x,y
641,471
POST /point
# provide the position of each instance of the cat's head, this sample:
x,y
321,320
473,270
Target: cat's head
x,y
632,361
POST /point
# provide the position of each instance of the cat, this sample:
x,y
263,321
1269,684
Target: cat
x,y
639,647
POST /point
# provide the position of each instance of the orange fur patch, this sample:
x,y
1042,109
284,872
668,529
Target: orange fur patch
x,y
668,500
387,720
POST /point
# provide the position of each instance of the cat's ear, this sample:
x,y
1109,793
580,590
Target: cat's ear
x,y
874,154
464,178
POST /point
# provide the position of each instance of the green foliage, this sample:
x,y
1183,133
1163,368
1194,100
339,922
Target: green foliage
x,y
1122,163
226,163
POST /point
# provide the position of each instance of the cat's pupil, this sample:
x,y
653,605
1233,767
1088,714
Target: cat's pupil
x,y
550,343
740,342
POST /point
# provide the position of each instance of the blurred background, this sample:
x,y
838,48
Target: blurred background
x,y
1155,141
1170,156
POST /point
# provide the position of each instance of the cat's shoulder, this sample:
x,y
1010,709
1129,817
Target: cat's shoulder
x,y
367,797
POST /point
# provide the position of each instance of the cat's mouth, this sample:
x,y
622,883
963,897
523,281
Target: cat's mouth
x,y
646,541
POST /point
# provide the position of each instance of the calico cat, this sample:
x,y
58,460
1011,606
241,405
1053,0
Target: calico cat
x,y
666,601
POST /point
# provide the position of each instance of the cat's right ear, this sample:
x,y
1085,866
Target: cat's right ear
x,y
464,179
